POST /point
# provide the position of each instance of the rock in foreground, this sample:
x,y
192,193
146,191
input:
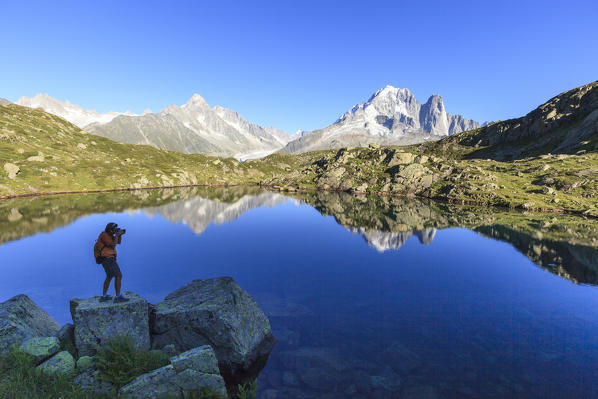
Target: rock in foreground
x,y
41,348
20,319
61,364
98,322
216,312
191,370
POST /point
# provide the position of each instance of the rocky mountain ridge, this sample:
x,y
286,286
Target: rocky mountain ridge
x,y
391,116
195,127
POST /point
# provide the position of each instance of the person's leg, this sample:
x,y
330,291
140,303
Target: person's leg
x,y
109,275
117,284
106,285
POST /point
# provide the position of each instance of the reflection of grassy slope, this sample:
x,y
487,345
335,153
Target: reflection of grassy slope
x,y
54,155
562,244
21,217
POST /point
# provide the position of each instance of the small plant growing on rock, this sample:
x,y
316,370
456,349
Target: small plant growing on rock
x,y
120,361
247,391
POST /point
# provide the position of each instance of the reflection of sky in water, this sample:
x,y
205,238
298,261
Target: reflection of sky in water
x,y
464,303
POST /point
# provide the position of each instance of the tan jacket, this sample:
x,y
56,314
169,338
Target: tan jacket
x,y
109,244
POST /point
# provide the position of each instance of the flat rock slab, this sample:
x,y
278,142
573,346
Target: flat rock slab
x,y
98,322
41,348
20,319
216,312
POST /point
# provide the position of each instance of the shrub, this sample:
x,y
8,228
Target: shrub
x,y
120,361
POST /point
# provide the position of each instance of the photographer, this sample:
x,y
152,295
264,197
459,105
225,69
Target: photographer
x,y
108,240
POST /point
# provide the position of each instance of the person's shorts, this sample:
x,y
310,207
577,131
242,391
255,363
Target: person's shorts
x,y
111,268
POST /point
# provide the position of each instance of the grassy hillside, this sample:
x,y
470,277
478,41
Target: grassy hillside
x,y
40,152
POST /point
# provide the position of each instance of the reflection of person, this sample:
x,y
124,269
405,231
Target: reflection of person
x,y
109,238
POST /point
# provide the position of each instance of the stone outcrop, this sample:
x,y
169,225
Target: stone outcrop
x,y
20,319
11,170
216,312
213,331
97,322
191,370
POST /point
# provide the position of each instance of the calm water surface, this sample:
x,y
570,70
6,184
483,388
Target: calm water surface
x,y
367,297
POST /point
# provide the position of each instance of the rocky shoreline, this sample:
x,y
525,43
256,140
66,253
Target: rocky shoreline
x,y
214,334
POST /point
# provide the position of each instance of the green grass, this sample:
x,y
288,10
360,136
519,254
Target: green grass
x,y
120,361
19,379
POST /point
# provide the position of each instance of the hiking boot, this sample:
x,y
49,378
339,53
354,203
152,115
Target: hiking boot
x,y
105,298
121,298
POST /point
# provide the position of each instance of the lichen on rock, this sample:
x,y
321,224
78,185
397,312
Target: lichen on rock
x,y
20,319
98,322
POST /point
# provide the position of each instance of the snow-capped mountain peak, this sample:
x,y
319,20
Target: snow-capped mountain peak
x,y
71,112
391,116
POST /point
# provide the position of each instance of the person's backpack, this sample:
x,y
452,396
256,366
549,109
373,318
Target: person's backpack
x,y
97,251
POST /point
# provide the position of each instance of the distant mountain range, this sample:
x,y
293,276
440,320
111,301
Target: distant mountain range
x,y
71,112
390,116
194,127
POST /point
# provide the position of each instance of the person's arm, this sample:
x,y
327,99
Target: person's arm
x,y
107,240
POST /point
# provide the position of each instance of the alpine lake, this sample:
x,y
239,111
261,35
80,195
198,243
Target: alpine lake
x,y
367,296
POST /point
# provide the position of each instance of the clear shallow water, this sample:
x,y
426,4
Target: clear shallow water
x,y
386,298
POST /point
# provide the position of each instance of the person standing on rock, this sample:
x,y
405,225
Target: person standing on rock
x,y
108,240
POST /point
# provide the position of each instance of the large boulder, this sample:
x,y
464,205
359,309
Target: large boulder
x,y
216,312
20,319
41,348
192,370
98,322
62,363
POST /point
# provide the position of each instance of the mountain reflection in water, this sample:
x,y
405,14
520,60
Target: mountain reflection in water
x,y
566,245
429,309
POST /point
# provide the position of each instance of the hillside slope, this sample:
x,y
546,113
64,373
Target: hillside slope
x,y
565,124
41,152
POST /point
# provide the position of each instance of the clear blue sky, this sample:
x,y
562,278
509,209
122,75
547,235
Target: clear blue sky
x,y
297,64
